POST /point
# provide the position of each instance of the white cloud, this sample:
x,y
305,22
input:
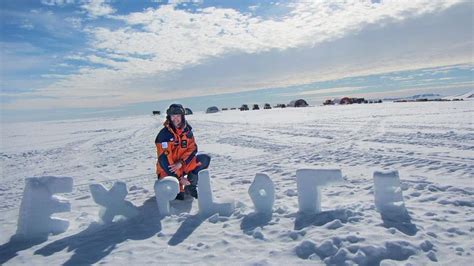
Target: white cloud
x,y
75,22
45,21
157,44
323,91
27,25
176,38
56,2
177,2
97,8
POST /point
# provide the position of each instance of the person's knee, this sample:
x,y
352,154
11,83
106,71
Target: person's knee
x,y
193,178
205,160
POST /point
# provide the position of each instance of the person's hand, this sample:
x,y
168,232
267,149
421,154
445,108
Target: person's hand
x,y
175,167
184,181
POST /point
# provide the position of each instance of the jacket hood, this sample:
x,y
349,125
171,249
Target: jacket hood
x,y
168,124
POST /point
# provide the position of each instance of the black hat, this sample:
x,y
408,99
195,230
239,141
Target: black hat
x,y
175,109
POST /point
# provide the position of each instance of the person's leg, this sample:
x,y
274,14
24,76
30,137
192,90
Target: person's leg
x,y
204,161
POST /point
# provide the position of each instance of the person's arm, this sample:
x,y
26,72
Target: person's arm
x,y
191,150
161,144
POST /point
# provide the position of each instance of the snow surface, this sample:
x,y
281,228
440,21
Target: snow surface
x,y
430,144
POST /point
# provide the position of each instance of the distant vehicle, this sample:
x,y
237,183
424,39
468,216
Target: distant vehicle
x,y
244,107
188,111
225,109
328,102
358,100
156,112
233,108
212,109
280,105
267,106
345,100
298,103
255,107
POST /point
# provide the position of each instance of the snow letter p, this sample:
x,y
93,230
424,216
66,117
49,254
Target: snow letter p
x,y
206,203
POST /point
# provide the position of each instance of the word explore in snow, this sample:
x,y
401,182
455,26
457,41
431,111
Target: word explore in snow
x,y
39,203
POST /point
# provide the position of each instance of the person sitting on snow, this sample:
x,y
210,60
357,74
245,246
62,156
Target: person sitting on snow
x,y
177,152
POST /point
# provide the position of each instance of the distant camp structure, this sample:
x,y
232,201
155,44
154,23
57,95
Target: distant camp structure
x,y
156,112
255,107
267,106
244,107
280,105
328,102
375,101
212,109
188,111
349,100
298,103
426,100
345,100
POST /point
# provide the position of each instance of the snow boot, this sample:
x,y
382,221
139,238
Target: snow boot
x,y
180,196
191,190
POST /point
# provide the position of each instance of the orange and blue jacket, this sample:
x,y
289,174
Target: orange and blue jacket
x,y
175,145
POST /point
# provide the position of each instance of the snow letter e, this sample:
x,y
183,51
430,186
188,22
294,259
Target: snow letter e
x,y
38,203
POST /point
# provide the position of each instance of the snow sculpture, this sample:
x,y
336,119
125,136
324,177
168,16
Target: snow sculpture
x,y
387,191
166,190
262,193
206,203
308,183
38,203
112,201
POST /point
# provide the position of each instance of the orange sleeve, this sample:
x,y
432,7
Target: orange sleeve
x,y
162,161
159,151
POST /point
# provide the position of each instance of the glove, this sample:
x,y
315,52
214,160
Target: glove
x,y
184,181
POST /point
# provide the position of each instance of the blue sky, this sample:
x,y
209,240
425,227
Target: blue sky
x,y
78,58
